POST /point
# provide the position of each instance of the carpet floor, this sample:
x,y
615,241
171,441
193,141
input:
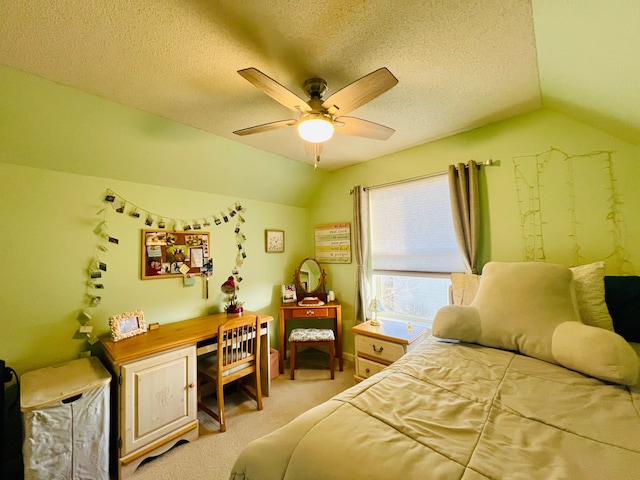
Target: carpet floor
x,y
213,454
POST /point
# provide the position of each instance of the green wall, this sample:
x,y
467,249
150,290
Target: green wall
x,y
518,141
48,221
60,150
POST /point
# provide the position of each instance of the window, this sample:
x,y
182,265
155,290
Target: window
x,y
413,248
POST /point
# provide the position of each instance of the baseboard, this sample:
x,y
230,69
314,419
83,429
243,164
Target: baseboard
x,y
350,357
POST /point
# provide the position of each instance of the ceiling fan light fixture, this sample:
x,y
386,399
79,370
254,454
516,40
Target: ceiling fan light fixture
x,y
315,128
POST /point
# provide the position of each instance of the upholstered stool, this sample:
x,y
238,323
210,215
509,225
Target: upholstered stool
x,y
311,337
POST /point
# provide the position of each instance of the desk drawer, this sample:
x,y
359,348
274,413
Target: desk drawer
x,y
375,348
310,312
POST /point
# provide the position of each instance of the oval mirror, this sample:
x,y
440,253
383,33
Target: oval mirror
x,y
310,276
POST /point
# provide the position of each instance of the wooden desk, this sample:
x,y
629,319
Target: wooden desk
x,y
156,384
170,336
293,311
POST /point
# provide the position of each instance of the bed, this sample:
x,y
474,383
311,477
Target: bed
x,y
454,409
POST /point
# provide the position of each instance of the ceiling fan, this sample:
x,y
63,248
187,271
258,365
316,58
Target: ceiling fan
x,y
319,117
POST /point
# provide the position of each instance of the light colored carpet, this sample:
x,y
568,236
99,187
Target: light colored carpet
x,y
213,454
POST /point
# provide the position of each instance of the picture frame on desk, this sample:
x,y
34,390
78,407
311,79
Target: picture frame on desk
x,y
126,325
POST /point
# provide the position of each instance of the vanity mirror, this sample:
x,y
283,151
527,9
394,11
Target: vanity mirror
x,y
310,279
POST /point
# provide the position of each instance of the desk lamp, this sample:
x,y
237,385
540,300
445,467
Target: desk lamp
x,y
229,288
374,307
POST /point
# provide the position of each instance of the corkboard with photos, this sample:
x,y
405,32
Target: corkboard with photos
x,y
170,254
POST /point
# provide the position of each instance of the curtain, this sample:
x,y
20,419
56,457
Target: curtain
x,y
465,209
361,251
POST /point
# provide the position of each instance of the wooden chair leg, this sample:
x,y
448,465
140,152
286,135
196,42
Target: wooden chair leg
x,y
258,376
220,395
332,354
201,405
292,359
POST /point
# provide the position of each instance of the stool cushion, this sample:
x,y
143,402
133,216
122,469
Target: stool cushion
x,y
311,335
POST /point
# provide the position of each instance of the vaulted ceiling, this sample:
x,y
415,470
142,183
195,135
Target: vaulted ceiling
x,y
460,64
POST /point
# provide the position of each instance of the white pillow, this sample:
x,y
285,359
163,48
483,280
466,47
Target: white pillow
x,y
588,282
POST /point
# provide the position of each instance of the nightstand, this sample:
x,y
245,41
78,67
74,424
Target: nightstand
x,y
381,345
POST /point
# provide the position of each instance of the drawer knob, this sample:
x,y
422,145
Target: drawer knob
x,y
191,385
368,371
377,350
310,312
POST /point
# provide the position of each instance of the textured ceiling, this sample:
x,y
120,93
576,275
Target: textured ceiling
x,y
460,64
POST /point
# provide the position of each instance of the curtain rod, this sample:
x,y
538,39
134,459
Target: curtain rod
x,y
486,163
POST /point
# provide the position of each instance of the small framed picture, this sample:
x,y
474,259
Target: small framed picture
x,y
128,324
274,241
289,293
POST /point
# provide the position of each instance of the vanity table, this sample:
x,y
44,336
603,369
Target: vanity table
x,y
310,284
293,311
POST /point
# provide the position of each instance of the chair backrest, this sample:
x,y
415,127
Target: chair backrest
x,y
238,347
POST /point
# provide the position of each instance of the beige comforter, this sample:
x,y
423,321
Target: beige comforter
x,y
459,411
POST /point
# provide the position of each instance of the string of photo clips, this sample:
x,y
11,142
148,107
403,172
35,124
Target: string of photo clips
x,y
120,205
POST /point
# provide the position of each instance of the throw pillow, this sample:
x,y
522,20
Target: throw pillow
x,y
464,287
622,294
589,285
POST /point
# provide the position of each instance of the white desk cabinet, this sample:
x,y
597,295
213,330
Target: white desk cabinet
x,y
377,346
157,404
158,397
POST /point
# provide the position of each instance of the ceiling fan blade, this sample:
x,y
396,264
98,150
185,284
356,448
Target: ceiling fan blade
x,y
360,92
276,91
266,127
362,128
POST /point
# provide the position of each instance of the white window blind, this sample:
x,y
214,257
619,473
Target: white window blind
x,y
412,228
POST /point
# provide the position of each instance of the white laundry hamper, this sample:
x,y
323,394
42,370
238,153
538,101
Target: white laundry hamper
x,y
65,414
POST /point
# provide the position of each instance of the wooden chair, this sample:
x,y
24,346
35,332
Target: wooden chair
x,y
237,355
311,337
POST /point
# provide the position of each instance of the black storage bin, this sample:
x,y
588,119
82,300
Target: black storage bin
x,y
11,465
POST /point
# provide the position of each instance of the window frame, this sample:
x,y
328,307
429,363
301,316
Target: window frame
x,y
376,275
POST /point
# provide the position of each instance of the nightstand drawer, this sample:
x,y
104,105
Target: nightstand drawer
x,y
365,368
375,348
310,312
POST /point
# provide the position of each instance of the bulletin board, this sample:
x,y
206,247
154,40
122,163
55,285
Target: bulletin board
x,y
170,254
